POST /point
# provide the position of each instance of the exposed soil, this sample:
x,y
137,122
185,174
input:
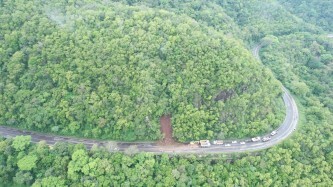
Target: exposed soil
x,y
166,130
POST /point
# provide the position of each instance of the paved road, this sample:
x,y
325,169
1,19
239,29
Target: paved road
x,y
286,128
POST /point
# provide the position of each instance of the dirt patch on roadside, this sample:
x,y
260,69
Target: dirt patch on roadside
x,y
166,130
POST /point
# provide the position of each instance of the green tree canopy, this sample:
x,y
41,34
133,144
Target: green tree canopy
x,y
27,163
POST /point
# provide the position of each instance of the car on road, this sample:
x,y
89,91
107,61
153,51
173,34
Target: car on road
x,y
234,142
242,143
227,145
218,142
273,133
58,138
265,139
255,139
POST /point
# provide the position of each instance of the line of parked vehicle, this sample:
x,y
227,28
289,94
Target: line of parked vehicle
x,y
206,143
265,138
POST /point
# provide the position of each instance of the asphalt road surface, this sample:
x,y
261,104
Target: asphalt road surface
x,y
287,127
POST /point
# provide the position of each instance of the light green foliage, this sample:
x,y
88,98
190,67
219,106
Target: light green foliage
x,y
79,161
27,163
20,143
269,39
300,88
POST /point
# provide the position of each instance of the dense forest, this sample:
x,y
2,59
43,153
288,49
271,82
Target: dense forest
x,y
112,70
65,165
295,49
311,59
318,12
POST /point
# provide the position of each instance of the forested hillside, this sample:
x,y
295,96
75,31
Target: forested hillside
x,y
318,12
107,70
295,48
311,59
247,20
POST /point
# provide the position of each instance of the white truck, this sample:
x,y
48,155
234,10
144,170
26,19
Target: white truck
x,y
204,143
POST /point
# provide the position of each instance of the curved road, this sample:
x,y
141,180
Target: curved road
x,y
286,128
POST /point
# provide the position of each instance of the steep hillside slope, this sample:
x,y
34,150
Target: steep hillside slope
x,y
261,18
111,71
248,20
318,12
311,57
